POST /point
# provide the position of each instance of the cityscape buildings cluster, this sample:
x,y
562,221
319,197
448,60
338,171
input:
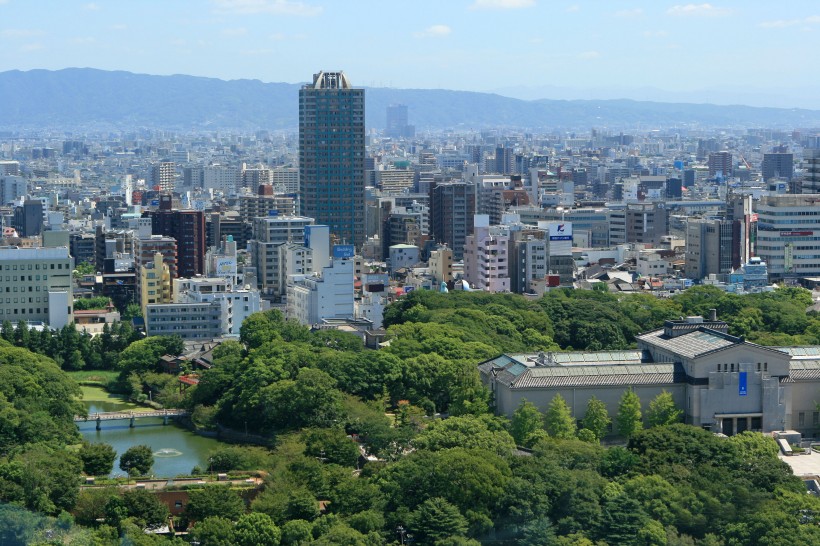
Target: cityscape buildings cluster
x,y
334,220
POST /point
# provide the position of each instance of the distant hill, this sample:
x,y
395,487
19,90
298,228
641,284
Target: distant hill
x,y
84,98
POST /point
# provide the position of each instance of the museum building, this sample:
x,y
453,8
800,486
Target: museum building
x,y
722,382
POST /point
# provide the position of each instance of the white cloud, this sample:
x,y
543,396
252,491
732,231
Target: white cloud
x,y
28,48
629,13
91,7
784,23
572,9
655,34
234,32
435,31
83,40
19,33
588,55
278,7
119,27
256,52
698,10
502,4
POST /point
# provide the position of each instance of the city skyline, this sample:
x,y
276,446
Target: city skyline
x,y
720,52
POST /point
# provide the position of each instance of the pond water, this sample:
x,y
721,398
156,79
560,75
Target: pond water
x,y
176,450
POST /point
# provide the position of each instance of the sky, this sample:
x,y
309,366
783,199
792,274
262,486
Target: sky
x,y
750,52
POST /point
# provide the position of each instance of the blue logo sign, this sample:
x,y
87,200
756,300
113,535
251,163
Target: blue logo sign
x,y
343,251
741,384
273,213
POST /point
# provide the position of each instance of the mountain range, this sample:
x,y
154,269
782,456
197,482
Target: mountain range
x,y
91,99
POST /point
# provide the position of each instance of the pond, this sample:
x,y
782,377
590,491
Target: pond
x,y
176,449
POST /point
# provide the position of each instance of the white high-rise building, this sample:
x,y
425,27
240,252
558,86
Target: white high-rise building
x,y
486,259
324,295
270,234
788,235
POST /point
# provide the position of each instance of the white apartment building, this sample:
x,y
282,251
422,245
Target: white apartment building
x,y
222,178
486,260
328,294
35,285
788,235
239,303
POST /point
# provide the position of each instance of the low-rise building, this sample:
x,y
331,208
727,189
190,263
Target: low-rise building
x,y
721,382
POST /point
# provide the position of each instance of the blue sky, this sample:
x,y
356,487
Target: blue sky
x,y
749,51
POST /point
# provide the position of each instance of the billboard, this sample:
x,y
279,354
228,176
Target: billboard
x,y
343,251
225,267
560,232
742,389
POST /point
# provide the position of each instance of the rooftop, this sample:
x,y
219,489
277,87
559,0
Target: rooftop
x,y
692,344
577,369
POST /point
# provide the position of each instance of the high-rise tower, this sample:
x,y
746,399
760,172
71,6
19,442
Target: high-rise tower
x,y
331,155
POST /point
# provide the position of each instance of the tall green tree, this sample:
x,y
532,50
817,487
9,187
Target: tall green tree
x,y
256,529
663,411
214,531
437,519
628,421
526,420
144,506
597,418
559,420
137,460
97,459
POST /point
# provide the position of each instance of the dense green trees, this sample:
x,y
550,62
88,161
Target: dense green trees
x,y
450,480
214,500
70,348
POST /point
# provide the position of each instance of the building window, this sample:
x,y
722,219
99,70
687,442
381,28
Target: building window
x,y
758,366
801,419
765,366
815,418
733,367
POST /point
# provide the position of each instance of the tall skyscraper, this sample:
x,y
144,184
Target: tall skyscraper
x,y
331,155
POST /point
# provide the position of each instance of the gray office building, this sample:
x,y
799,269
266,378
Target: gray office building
x,y
331,155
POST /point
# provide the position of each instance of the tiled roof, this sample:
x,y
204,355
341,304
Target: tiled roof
x,y
578,369
804,370
689,345
799,352
589,376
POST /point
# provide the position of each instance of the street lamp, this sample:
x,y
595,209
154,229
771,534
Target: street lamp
x,y
402,532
